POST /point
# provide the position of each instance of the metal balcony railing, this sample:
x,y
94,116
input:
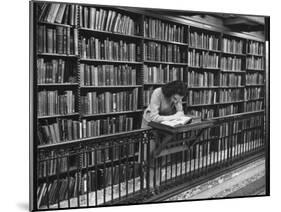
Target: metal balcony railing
x,y
117,169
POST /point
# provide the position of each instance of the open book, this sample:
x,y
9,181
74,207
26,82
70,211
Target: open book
x,y
178,122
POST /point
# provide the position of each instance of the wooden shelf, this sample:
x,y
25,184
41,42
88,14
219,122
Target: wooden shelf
x,y
109,61
57,84
202,49
256,85
153,84
202,87
200,105
255,70
110,86
234,54
58,116
166,63
232,87
165,41
109,33
232,102
230,71
111,113
88,139
255,55
54,24
256,99
204,68
57,55
239,114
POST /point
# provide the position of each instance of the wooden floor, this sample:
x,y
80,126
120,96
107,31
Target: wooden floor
x,y
248,180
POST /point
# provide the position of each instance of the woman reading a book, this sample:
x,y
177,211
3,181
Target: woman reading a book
x,y
165,103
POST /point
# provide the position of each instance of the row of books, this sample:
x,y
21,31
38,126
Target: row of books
x,y
255,48
105,49
204,41
64,130
95,103
55,71
254,106
49,193
58,40
54,103
230,95
232,46
201,97
147,95
231,63
251,122
107,20
162,73
255,79
108,153
239,125
56,163
101,75
204,59
157,29
225,128
255,63
61,131
199,79
202,112
254,93
58,13
164,52
228,110
230,79
109,125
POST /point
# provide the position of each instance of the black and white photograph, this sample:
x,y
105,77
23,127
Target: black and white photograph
x,y
138,105
145,105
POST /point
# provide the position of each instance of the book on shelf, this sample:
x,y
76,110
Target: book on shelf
x,y
58,13
230,79
108,20
198,79
103,75
231,63
202,97
94,103
231,45
204,41
162,73
203,59
107,49
157,29
57,40
256,48
154,51
56,103
255,63
55,71
77,184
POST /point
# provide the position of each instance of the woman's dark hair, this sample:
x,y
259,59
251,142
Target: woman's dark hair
x,y
174,87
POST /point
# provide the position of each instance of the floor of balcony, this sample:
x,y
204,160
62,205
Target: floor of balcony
x,y
247,180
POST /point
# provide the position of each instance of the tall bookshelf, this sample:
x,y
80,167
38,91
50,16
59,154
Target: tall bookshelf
x,y
96,67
